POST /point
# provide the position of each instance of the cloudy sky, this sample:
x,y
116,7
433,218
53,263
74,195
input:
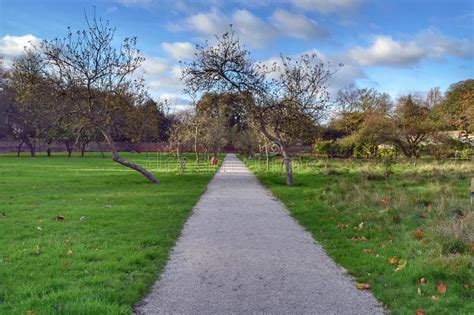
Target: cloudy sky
x,y
395,46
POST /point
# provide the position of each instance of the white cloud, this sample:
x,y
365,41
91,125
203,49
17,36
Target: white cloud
x,y
179,50
344,75
297,26
327,6
388,52
163,80
155,66
250,28
346,71
438,45
208,23
430,44
175,102
11,45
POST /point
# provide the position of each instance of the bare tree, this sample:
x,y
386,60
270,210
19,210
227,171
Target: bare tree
x,y
181,131
277,97
434,97
98,78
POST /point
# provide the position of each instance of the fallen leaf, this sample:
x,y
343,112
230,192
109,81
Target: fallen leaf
x,y
108,206
465,286
401,264
419,291
82,218
420,311
393,260
442,288
419,234
69,252
343,226
59,218
362,286
471,246
434,298
37,250
421,281
361,225
385,201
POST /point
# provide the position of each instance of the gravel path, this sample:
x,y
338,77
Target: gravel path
x,y
242,253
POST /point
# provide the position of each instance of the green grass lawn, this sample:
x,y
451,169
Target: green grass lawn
x,y
389,233
114,239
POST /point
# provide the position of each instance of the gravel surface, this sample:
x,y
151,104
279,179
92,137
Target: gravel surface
x,y
242,253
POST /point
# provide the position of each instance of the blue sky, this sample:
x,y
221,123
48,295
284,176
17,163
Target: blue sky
x,y
395,46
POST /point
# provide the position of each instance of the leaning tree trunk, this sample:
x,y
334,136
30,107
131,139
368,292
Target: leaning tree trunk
x,y
117,158
288,166
284,151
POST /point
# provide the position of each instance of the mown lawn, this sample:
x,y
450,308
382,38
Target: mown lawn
x,y
114,239
410,237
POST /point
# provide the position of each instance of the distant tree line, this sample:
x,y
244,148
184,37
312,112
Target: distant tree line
x,y
368,123
362,122
82,89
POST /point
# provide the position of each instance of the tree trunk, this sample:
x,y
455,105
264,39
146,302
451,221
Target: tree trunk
x,y
83,148
289,169
196,146
283,148
117,158
48,148
19,148
32,150
32,145
68,148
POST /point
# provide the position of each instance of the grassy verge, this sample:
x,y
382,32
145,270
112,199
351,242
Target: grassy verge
x,y
410,237
114,239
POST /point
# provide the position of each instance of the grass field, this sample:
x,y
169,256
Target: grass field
x,y
410,237
114,239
